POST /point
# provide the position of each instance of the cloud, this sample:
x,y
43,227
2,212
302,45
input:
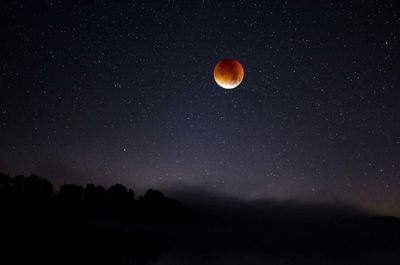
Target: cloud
x,y
223,207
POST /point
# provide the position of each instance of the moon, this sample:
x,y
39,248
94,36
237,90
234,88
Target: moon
x,y
228,73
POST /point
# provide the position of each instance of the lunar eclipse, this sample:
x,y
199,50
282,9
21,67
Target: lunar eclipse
x,y
228,73
250,99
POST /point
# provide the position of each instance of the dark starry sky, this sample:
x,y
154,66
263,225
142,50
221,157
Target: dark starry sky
x,y
123,91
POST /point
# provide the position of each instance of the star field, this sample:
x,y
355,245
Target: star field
x,y
123,91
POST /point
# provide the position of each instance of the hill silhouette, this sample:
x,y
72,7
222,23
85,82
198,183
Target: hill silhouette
x,y
96,225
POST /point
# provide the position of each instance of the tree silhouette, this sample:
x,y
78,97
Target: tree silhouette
x,y
117,201
154,207
4,182
118,193
94,195
34,213
5,188
37,188
121,201
32,191
70,193
153,196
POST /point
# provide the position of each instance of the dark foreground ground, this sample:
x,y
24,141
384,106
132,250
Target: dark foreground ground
x,y
76,239
153,229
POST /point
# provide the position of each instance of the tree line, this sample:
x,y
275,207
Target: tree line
x,y
27,194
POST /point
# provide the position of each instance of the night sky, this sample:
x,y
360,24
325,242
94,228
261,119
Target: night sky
x,y
123,92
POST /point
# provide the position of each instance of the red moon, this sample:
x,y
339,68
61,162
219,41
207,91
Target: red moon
x,y
228,73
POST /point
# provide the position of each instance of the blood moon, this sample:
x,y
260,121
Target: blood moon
x,y
228,73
